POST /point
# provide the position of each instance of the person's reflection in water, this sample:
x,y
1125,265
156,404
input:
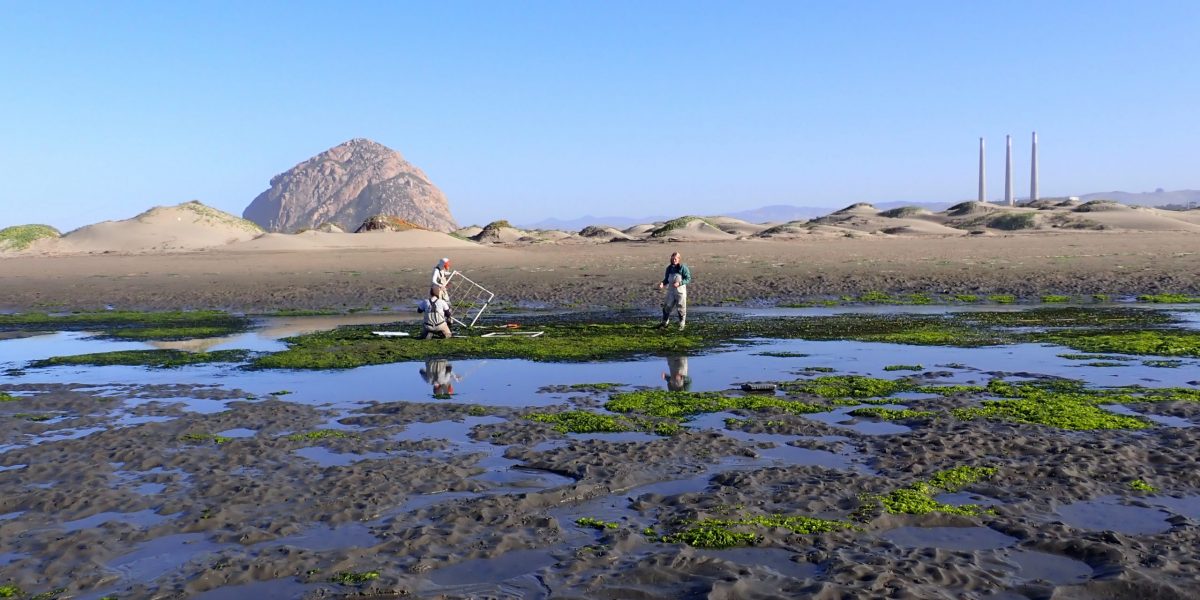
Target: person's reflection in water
x,y
440,374
677,379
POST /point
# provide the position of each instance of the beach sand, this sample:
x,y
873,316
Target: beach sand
x,y
613,274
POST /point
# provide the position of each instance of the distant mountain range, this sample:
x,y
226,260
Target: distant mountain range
x,y
1160,198
783,213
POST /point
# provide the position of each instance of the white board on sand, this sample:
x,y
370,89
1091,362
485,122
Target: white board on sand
x,y
391,333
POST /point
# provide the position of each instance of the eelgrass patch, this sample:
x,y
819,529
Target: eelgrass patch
x,y
132,324
1163,364
159,359
1168,298
1154,342
1070,316
1082,356
588,336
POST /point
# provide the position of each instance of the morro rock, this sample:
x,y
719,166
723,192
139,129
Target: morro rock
x,y
346,185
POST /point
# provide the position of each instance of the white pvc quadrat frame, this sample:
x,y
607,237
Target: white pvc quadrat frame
x,y
469,292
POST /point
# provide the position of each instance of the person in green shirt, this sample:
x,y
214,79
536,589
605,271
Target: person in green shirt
x,y
675,281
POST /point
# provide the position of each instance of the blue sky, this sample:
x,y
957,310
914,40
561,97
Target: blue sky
x,y
532,110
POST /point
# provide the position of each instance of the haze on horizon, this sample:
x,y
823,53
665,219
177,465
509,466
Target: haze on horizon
x,y
560,110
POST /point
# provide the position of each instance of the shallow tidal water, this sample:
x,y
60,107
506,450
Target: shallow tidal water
x,y
166,550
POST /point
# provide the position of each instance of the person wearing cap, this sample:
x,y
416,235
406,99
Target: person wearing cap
x,y
675,281
437,315
441,277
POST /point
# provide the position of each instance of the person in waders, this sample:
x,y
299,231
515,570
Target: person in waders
x,y
437,315
675,281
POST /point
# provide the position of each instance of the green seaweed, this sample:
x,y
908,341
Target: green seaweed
x,y
918,498
1002,298
1061,411
720,533
1141,486
36,418
848,386
783,354
580,421
595,523
1055,299
10,591
891,414
904,368
594,387
354,578
205,437
7,397
683,405
159,359
319,434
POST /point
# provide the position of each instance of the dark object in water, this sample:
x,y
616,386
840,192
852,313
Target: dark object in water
x,y
758,387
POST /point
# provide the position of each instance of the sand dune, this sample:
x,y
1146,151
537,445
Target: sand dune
x,y
192,227
184,227
319,240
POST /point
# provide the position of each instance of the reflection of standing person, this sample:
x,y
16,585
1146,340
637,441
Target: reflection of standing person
x,y
437,315
677,379
441,277
440,374
675,281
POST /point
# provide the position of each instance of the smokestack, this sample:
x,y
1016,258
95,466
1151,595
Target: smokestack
x,y
982,175
1008,191
1033,171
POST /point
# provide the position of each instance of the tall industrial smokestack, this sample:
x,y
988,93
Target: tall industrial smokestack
x,y
1033,172
982,175
1008,191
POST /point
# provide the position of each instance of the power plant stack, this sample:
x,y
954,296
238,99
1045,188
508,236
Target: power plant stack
x,y
1033,172
1008,189
982,174
1009,196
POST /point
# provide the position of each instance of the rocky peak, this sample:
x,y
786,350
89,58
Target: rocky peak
x,y
347,184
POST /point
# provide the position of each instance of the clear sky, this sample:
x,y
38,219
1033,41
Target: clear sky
x,y
536,109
